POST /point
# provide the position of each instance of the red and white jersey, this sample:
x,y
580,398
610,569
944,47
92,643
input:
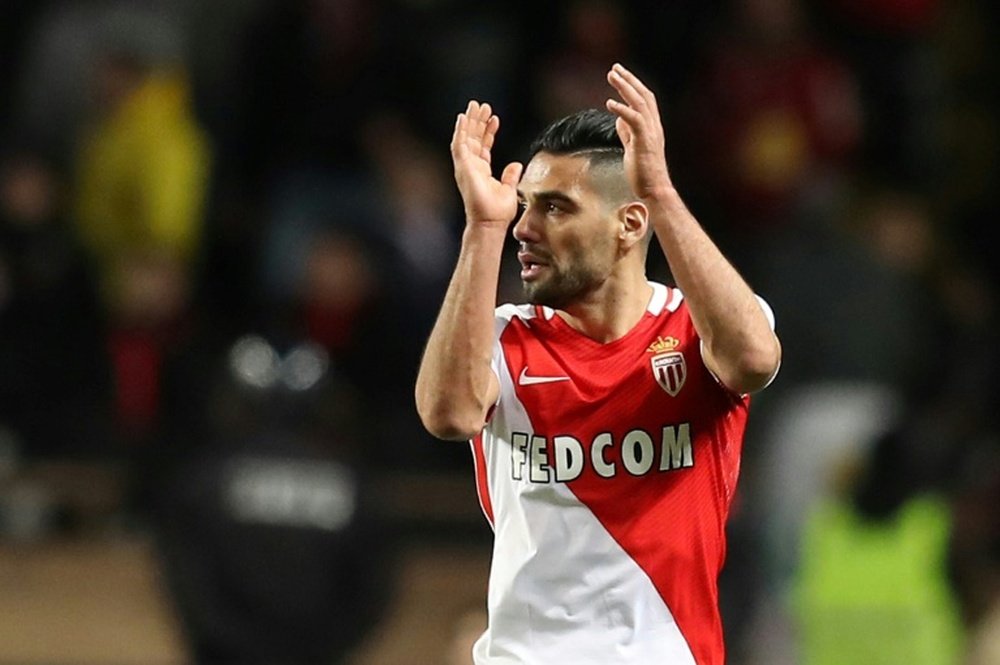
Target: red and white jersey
x,y
607,472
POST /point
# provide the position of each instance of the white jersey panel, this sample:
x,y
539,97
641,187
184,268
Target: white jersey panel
x,y
562,590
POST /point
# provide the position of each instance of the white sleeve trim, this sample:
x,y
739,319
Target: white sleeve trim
x,y
768,312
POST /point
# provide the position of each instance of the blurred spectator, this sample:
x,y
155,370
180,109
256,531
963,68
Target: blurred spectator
x,y
420,227
284,102
850,281
53,372
349,296
873,584
421,220
64,44
889,44
858,334
143,166
949,432
902,349
141,181
775,117
273,548
339,294
926,70
311,73
353,259
975,556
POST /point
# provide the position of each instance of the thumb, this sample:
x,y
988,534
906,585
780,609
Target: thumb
x,y
512,174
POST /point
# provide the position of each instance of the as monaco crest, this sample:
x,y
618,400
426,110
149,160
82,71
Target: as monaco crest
x,y
669,367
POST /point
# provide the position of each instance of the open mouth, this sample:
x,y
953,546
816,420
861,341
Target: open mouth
x,y
531,271
531,265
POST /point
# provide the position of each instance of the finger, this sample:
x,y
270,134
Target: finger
x,y
632,79
471,116
512,174
478,115
458,124
476,125
485,111
489,136
455,133
460,148
636,83
625,112
629,94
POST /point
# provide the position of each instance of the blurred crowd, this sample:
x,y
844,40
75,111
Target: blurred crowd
x,y
226,228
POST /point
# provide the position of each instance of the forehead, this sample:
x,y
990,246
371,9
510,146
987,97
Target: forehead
x,y
546,172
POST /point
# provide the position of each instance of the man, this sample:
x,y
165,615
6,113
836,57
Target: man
x,y
607,417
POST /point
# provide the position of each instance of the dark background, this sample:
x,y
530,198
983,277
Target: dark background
x,y
226,228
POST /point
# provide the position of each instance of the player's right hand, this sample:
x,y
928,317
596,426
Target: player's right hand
x,y
487,200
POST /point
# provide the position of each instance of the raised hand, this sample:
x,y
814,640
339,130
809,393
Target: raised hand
x,y
487,200
641,132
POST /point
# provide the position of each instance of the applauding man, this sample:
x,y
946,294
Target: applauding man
x,y
607,415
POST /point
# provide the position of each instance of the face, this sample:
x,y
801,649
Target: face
x,y
567,231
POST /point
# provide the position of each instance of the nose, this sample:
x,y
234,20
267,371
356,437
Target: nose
x,y
525,230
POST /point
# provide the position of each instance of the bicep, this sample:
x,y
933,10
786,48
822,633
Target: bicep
x,y
748,374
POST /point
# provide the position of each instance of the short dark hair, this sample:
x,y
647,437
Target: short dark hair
x,y
590,134
588,131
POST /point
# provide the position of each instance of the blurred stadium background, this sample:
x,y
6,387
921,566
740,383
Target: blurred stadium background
x,y
226,227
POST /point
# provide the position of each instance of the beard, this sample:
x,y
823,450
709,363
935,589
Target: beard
x,y
562,287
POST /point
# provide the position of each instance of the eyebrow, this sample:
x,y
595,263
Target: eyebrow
x,y
550,195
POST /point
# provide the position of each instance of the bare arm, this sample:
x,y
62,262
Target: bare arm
x,y
739,345
455,385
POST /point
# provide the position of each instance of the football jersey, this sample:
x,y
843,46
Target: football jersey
x,y
606,471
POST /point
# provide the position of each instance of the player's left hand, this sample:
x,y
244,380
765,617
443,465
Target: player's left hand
x,y
641,132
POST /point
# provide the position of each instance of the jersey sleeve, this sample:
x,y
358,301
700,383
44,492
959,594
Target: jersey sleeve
x,y
769,313
502,318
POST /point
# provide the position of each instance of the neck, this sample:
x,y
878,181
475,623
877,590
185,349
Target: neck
x,y
609,312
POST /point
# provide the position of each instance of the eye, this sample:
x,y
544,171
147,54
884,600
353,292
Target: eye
x,y
552,208
522,205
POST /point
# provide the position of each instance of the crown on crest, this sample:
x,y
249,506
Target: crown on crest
x,y
663,345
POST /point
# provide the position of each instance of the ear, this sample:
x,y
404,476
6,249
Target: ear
x,y
634,220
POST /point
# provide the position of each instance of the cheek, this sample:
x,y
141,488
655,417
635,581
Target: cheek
x,y
593,256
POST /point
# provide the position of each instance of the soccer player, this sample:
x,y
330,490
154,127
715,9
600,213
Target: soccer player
x,y
607,416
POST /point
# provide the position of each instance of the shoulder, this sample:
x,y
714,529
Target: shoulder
x,y
666,299
525,313
523,321
507,312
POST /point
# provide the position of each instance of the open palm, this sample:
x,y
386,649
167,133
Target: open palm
x,y
641,131
487,199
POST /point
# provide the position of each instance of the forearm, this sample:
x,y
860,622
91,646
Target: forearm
x,y
454,385
740,346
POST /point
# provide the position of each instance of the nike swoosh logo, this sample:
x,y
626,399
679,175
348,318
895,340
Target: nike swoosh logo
x,y
525,380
